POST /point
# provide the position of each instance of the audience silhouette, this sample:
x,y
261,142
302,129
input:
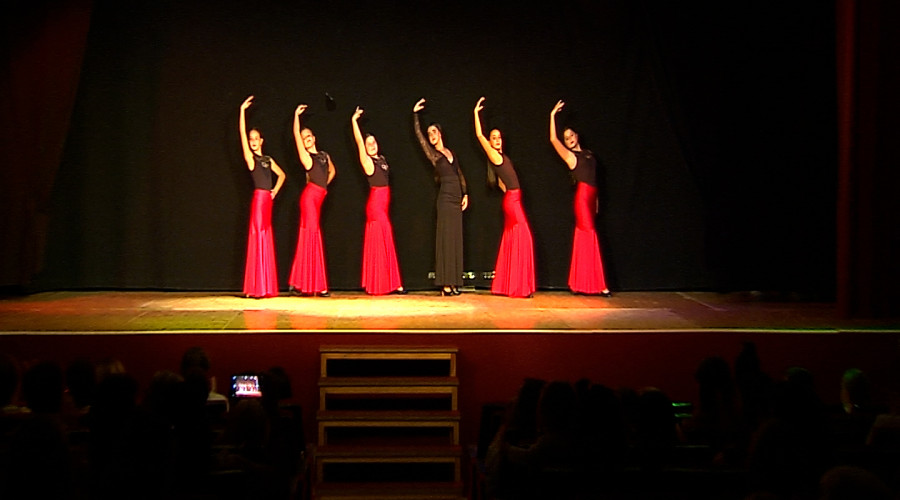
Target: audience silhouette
x,y
90,432
749,438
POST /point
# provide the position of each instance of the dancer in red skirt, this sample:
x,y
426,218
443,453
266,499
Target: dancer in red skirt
x,y
308,274
260,275
586,271
514,271
380,272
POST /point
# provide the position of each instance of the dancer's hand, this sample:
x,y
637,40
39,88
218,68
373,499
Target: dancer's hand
x,y
420,105
479,106
300,109
247,102
557,108
465,202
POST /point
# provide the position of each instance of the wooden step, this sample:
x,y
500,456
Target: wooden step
x,y
369,426
390,491
422,399
411,417
348,388
388,382
396,458
387,470
388,424
387,451
387,360
363,350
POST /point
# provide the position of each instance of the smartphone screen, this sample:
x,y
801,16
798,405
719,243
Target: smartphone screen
x,y
245,386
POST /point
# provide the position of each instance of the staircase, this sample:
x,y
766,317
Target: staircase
x,y
388,424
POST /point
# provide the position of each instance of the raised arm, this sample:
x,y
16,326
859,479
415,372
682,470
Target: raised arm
x,y
493,155
278,183
305,158
367,164
432,154
242,125
565,153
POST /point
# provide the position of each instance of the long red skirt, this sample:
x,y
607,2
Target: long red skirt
x,y
514,271
380,272
260,273
308,270
586,270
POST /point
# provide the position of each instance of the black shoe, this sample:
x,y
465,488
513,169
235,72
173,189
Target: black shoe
x,y
400,291
323,293
447,292
455,291
605,293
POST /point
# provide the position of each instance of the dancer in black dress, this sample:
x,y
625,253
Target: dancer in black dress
x,y
452,200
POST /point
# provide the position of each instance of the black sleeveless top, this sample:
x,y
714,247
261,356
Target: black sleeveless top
x,y
507,173
379,177
585,167
318,174
262,172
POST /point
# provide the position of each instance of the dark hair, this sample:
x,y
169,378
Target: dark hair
x,y
572,178
194,357
42,387
81,379
258,131
436,125
491,175
556,407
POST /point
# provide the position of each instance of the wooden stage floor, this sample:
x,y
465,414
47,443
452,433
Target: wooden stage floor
x,y
473,311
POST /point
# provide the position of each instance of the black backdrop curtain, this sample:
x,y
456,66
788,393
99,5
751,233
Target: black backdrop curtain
x,y
714,126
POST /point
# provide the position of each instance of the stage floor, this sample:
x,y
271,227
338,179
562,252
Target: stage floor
x,y
474,311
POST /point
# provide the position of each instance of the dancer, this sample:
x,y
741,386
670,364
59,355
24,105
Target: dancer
x,y
380,272
260,274
308,275
452,201
586,270
514,270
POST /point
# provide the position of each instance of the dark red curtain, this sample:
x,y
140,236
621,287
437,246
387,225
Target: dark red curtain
x,y
868,47
43,46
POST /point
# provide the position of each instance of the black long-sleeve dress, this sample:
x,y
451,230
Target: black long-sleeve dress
x,y
448,249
